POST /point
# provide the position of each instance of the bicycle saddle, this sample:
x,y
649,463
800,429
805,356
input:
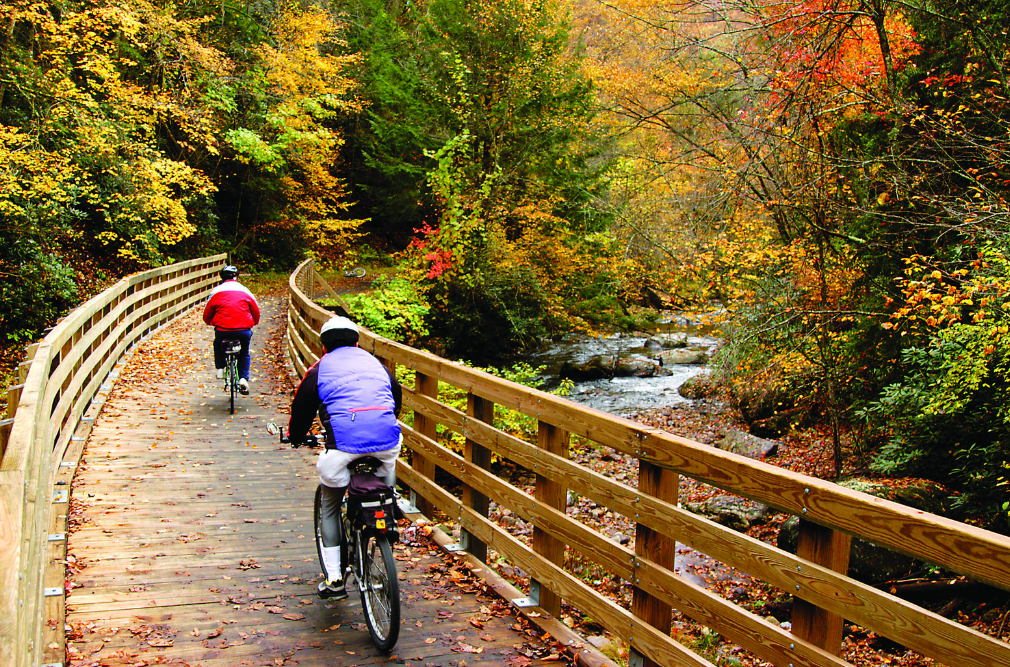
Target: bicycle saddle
x,y
364,464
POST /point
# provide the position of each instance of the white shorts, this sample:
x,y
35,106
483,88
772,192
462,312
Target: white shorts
x,y
332,465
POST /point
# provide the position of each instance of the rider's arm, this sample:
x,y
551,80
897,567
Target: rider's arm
x,y
208,311
254,310
397,392
304,405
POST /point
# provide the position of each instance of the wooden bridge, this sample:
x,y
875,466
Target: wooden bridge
x,y
189,529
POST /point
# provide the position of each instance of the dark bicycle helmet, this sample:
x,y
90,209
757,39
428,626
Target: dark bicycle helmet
x,y
338,332
229,272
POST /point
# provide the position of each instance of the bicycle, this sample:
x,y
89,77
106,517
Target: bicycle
x,y
369,519
232,348
357,272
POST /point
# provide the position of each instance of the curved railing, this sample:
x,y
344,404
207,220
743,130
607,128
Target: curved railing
x,y
60,391
830,516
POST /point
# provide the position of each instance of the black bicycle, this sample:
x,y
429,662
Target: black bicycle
x,y
232,348
369,519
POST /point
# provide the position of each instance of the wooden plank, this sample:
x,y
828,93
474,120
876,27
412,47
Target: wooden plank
x,y
480,456
831,549
553,493
656,547
621,622
766,640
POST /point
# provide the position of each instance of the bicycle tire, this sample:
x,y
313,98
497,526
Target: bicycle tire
x,y
232,373
380,590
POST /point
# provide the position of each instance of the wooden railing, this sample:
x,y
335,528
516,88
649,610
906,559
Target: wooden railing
x,y
816,576
60,388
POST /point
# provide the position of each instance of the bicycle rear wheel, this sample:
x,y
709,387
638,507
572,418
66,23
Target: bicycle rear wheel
x,y
232,373
380,591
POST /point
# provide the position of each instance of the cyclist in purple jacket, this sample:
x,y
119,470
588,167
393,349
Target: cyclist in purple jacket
x,y
358,401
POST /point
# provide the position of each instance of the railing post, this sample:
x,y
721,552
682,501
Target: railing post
x,y
482,409
829,548
655,546
554,494
426,386
13,398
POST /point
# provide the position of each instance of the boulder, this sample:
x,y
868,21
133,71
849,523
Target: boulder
x,y
698,386
768,409
745,444
868,562
731,511
683,356
596,368
667,341
636,367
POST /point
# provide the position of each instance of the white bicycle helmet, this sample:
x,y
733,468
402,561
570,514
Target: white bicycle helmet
x,y
338,331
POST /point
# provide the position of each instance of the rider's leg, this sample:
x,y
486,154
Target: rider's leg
x,y
335,478
334,548
244,360
387,471
218,349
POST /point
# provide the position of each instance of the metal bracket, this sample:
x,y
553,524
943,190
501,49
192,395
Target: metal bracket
x,y
52,592
57,537
534,598
61,496
635,659
407,506
454,546
52,664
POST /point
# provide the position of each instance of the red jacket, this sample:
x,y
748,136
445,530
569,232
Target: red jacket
x,y
231,307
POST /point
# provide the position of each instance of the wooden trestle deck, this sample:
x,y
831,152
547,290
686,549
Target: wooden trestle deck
x,y
190,539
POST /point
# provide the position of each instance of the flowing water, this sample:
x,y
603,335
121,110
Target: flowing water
x,y
625,395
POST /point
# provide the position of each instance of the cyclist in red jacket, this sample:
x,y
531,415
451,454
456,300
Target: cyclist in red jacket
x,y
233,312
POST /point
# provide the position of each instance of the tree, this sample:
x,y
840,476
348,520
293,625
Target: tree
x,y
484,124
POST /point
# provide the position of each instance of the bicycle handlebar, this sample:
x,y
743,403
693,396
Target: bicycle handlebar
x,y
310,440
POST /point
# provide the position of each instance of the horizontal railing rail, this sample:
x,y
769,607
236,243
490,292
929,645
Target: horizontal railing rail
x,y
815,576
61,380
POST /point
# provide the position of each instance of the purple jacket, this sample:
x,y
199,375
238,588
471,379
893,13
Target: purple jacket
x,y
357,400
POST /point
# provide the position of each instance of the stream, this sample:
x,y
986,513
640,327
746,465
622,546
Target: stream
x,y
628,394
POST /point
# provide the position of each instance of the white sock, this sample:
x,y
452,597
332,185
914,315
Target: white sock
x,y
331,561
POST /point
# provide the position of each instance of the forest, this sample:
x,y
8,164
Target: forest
x,y
830,174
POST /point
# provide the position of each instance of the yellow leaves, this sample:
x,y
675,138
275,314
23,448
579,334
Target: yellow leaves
x,y
298,67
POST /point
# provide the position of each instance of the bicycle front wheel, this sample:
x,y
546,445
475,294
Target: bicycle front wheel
x,y
380,591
